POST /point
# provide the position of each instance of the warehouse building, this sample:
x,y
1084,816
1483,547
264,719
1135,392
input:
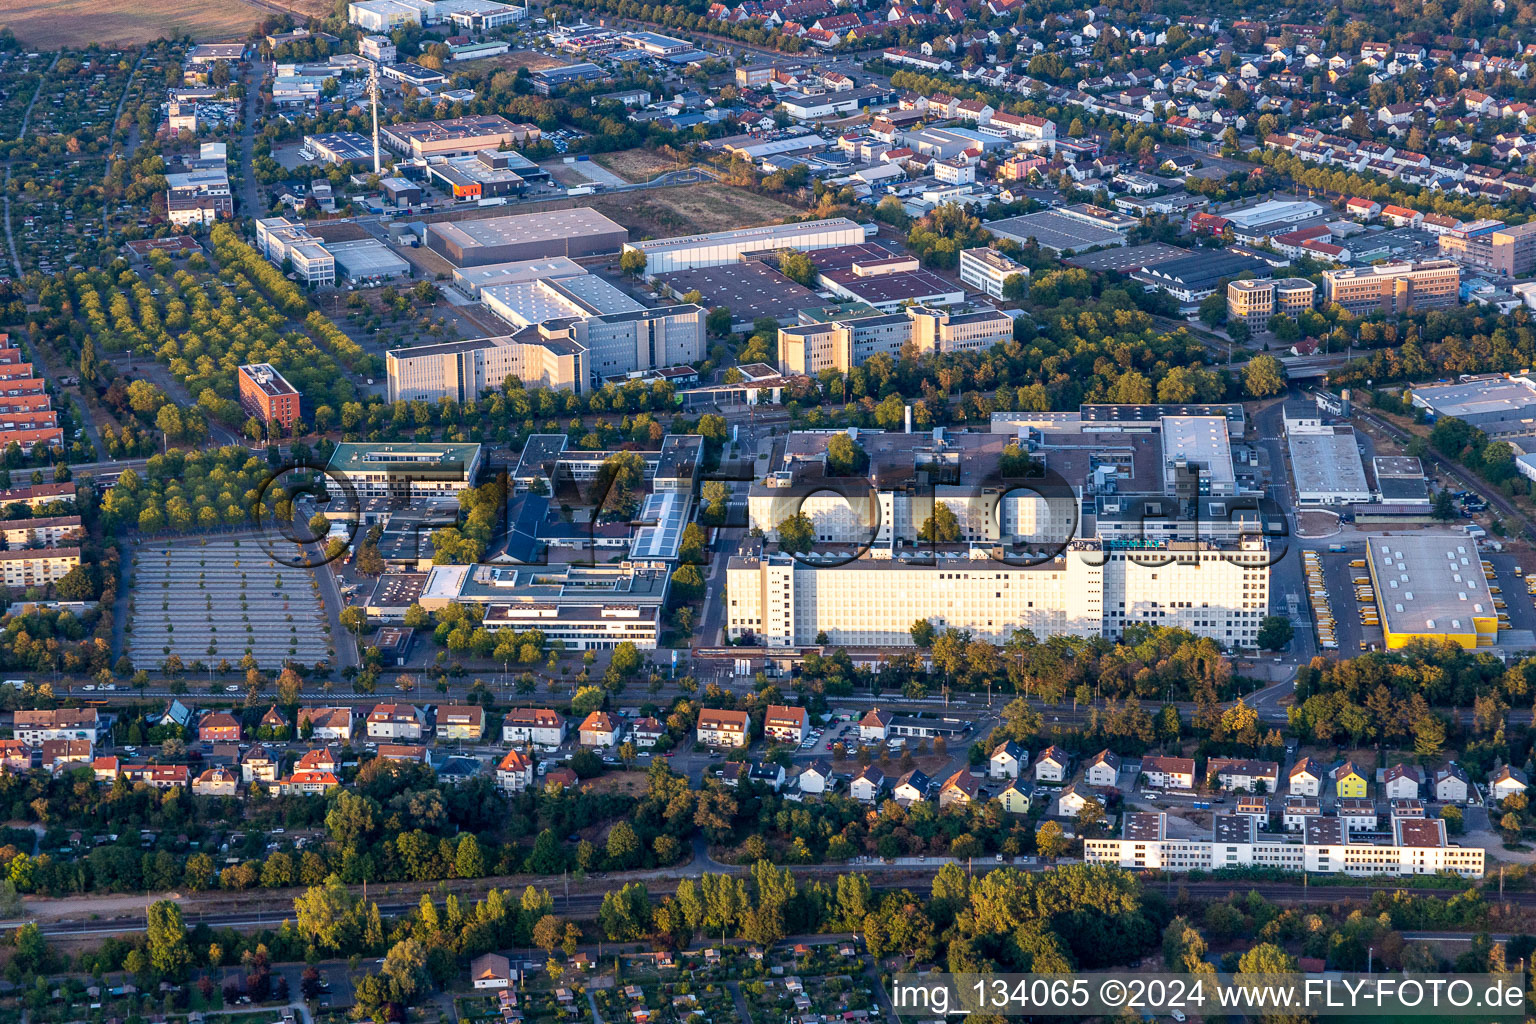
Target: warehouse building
x,y
471,280
1093,589
1193,278
751,290
1497,404
665,255
367,261
337,148
573,233
1327,466
534,302
1431,587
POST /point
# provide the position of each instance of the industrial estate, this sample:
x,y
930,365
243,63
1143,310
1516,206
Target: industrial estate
x,y
691,512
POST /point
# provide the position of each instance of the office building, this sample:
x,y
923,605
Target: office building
x,y
405,470
988,270
464,370
1393,287
379,49
283,241
267,395
1431,587
1324,845
574,233
1254,302
1497,404
664,255
1493,247
1091,589
460,136
469,15
844,344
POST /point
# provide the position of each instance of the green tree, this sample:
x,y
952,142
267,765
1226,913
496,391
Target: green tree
x,y
1264,376
632,262
797,533
166,940
941,527
323,914
797,266
923,633
1275,631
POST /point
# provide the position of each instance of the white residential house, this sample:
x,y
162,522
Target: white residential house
x,y
1506,781
539,726
867,786
724,729
600,729
515,772
816,777
911,787
1103,770
395,722
1052,765
1169,772
1306,778
1007,760
1452,784
1402,782
785,724
875,724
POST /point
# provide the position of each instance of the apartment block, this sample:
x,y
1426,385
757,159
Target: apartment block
x,y
45,532
36,568
1393,287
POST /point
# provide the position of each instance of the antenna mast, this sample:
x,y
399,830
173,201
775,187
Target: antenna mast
x,y
373,96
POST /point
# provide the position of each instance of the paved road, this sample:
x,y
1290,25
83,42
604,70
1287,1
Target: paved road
x,y
10,241
255,71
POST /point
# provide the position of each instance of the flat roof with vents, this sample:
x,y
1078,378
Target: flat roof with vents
x,y
1431,586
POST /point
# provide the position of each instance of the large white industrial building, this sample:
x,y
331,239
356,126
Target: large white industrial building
x,y
1090,590
1325,845
665,255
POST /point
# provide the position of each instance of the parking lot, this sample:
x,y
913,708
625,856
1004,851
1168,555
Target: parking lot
x,y
203,601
